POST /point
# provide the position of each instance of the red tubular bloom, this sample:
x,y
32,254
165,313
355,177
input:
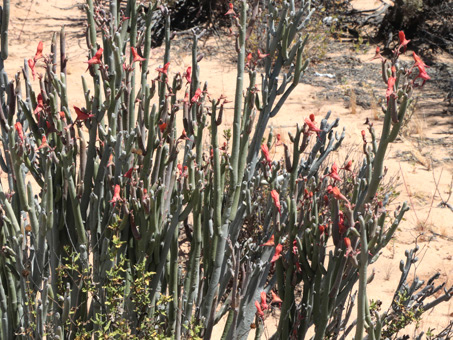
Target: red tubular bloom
x,y
128,174
196,96
136,56
295,249
96,58
182,171
347,243
341,227
264,304
164,69
261,55
334,173
162,127
403,40
276,198
348,166
377,54
275,298
82,115
40,105
38,54
269,243
423,75
364,136
183,135
116,194
390,85
259,311
312,117
266,154
421,68
230,10
249,59
336,193
19,130
311,126
188,75
31,64
418,60
43,143
393,70
278,250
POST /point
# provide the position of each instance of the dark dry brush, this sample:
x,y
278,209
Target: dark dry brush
x,y
94,251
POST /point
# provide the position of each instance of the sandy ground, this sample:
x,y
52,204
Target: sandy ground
x,y
408,161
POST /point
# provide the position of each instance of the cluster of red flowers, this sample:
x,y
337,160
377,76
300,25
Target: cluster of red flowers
x,y
38,55
262,306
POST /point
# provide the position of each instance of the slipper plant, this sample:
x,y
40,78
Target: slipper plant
x,y
136,228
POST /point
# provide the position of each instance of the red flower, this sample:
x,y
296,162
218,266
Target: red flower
x,y
390,85
40,105
230,10
336,193
249,59
82,115
276,198
162,127
136,55
264,304
279,140
259,311
348,166
31,64
421,68
377,54
261,55
312,117
269,243
183,135
403,41
188,74
116,194
196,96
311,126
43,143
423,75
128,174
393,71
19,130
96,58
418,61
275,298
182,171
278,250
266,154
163,69
334,173
349,250
38,54
295,249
